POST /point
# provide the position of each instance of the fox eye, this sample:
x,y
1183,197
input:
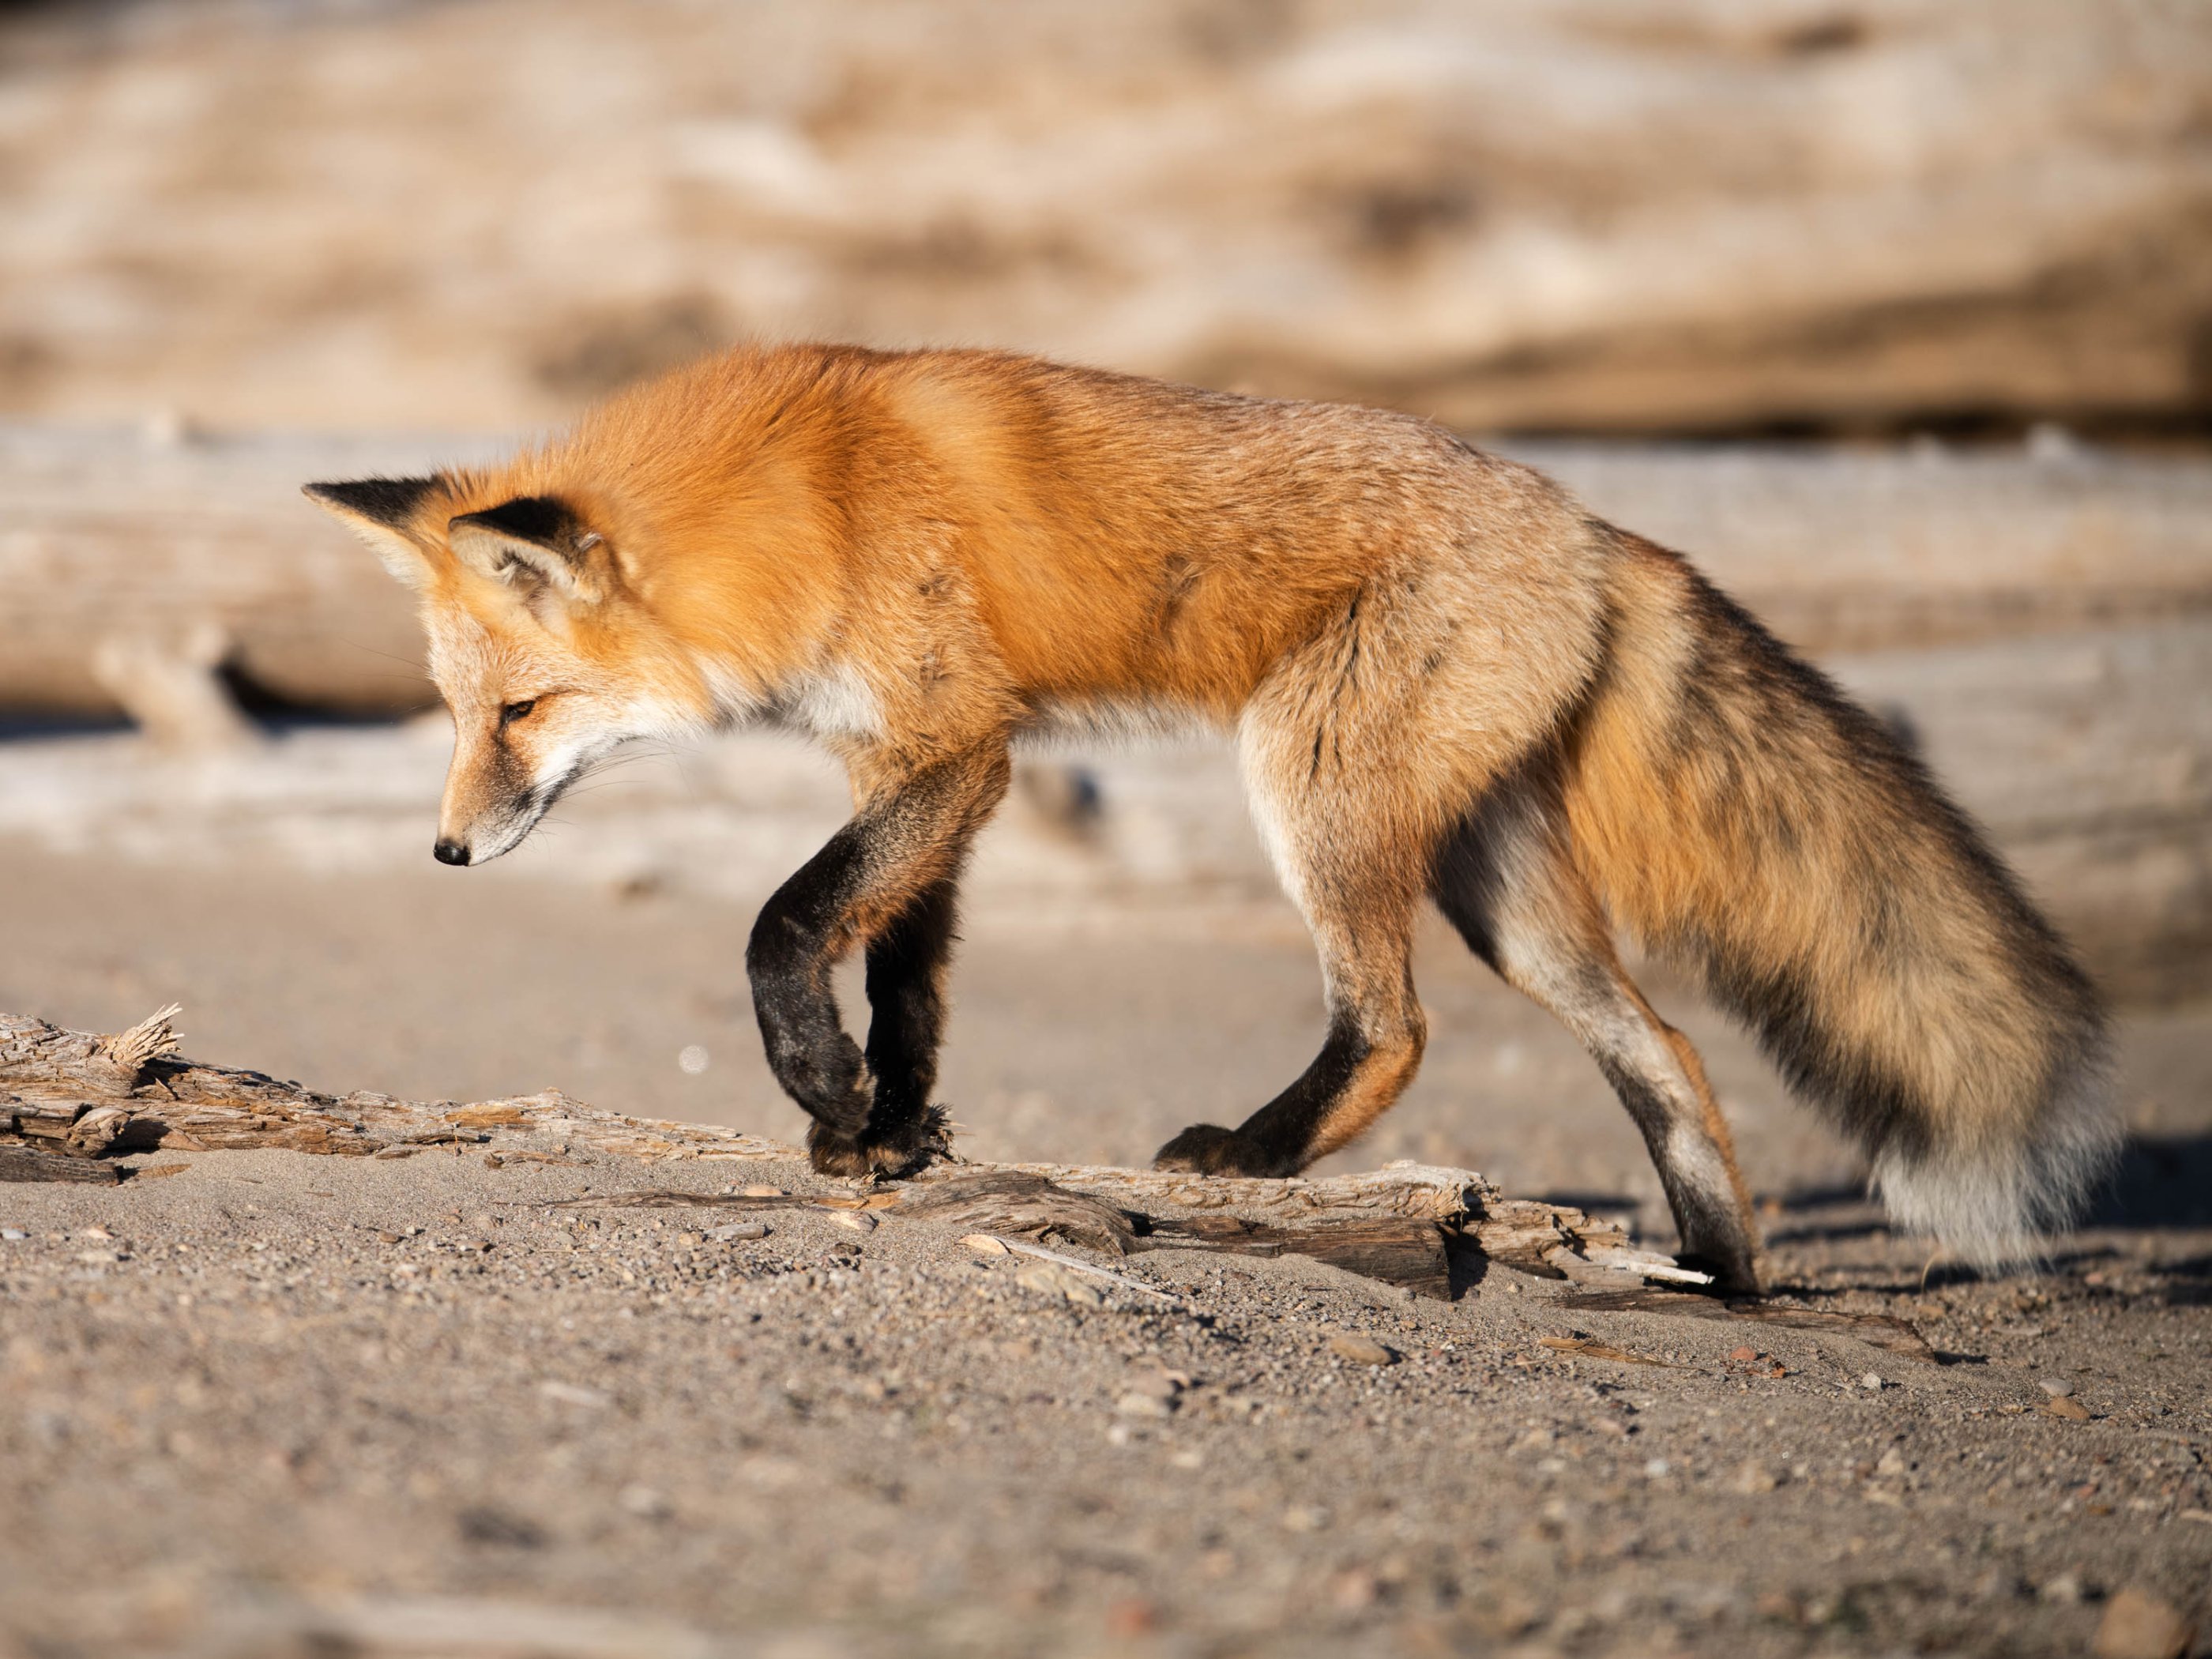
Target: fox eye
x,y
515,711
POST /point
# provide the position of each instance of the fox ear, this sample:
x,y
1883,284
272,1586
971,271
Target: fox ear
x,y
534,539
381,511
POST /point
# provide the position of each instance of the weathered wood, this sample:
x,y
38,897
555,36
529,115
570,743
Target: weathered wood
x,y
1414,1255
1883,1331
2041,626
29,1163
1023,1204
143,548
94,1096
131,1093
129,569
1010,1205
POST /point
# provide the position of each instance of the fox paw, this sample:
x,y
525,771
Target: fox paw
x,y
890,1155
1209,1149
1736,1273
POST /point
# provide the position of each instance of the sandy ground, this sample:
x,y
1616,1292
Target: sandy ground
x,y
252,1409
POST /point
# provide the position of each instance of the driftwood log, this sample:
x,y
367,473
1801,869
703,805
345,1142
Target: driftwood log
x,y
71,1102
128,566
2040,623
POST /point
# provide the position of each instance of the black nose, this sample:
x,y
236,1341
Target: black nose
x,y
449,852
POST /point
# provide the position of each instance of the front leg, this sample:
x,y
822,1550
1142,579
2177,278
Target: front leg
x,y
906,964
897,859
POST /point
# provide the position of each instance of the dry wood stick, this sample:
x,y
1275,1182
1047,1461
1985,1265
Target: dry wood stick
x,y
78,1100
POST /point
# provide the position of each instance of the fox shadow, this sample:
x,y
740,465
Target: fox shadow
x,y
2163,1182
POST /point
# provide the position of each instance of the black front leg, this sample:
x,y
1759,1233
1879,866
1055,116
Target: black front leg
x,y
794,945
887,878
906,964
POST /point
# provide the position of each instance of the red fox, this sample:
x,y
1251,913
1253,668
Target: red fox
x,y
1446,680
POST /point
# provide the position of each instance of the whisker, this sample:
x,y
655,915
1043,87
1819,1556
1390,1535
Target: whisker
x,y
416,664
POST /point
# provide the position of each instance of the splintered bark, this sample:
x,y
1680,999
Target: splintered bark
x,y
71,1101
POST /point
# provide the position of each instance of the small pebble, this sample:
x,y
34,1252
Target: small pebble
x,y
1871,1382
1360,1350
645,1503
738,1229
2057,1386
572,1394
1137,1404
1354,1589
2139,1625
1158,1384
857,1221
1050,1278
13,1232
1754,1478
984,1244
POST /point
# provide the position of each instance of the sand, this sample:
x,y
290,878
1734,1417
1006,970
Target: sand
x,y
252,1410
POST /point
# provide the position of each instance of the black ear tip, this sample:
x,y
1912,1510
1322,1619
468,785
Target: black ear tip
x,y
382,501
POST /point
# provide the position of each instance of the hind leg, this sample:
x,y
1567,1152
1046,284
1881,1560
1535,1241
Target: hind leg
x,y
1359,896
1373,1049
1506,882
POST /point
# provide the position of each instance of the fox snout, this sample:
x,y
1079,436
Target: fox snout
x,y
488,810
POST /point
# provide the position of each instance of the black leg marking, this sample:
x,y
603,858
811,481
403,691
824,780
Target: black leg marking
x,y
788,959
906,988
1504,882
1277,1139
886,877
1707,1218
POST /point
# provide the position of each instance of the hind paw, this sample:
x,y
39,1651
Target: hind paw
x,y
1208,1148
1738,1268
885,1155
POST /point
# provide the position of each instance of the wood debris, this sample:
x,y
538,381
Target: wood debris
x,y
1882,1331
71,1102
1583,1348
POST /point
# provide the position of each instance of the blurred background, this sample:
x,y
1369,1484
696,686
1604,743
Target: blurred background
x,y
1895,314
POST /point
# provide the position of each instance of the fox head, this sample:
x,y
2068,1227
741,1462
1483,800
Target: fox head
x,y
538,639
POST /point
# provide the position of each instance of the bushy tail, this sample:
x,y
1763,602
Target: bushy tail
x,y
1742,816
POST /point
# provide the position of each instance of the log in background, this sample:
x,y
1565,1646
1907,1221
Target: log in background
x,y
2039,622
